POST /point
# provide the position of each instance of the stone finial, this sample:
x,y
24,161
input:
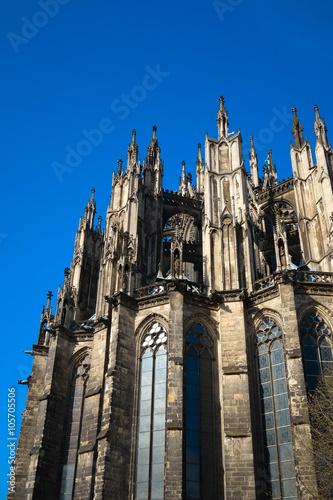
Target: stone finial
x,y
120,168
297,130
199,152
48,302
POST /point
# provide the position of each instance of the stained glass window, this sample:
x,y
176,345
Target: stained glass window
x,y
73,428
317,349
277,437
199,413
151,425
317,358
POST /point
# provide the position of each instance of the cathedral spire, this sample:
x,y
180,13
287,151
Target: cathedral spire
x,y
120,168
133,151
153,148
199,159
297,130
183,171
48,302
199,170
271,166
222,120
153,166
182,181
254,164
89,212
320,128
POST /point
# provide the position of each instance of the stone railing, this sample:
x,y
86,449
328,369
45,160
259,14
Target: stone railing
x,y
147,291
164,286
264,283
278,188
314,277
296,276
174,198
195,288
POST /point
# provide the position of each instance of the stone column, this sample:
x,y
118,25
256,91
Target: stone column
x,y
235,402
112,468
305,472
174,424
43,471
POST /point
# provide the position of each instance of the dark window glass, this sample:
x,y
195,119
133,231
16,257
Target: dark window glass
x,y
279,453
151,422
199,413
317,349
316,339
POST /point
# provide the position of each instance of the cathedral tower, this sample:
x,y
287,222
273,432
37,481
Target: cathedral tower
x,y
187,336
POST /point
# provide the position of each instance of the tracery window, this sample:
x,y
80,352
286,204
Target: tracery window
x,y
150,459
316,338
199,415
73,428
277,437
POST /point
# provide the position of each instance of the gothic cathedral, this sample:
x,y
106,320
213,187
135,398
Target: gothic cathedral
x,y
188,334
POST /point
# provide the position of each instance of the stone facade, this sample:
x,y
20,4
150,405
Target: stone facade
x,y
207,266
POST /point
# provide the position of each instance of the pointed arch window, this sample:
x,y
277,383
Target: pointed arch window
x,y
73,428
199,415
150,461
316,339
274,402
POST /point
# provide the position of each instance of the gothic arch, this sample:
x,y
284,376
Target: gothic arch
x,y
208,323
226,218
78,356
315,306
282,200
262,314
147,322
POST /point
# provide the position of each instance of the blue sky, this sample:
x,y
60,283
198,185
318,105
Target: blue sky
x,y
71,66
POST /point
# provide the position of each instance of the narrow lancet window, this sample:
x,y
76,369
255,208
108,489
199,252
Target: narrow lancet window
x,y
73,428
150,460
277,437
316,339
199,415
